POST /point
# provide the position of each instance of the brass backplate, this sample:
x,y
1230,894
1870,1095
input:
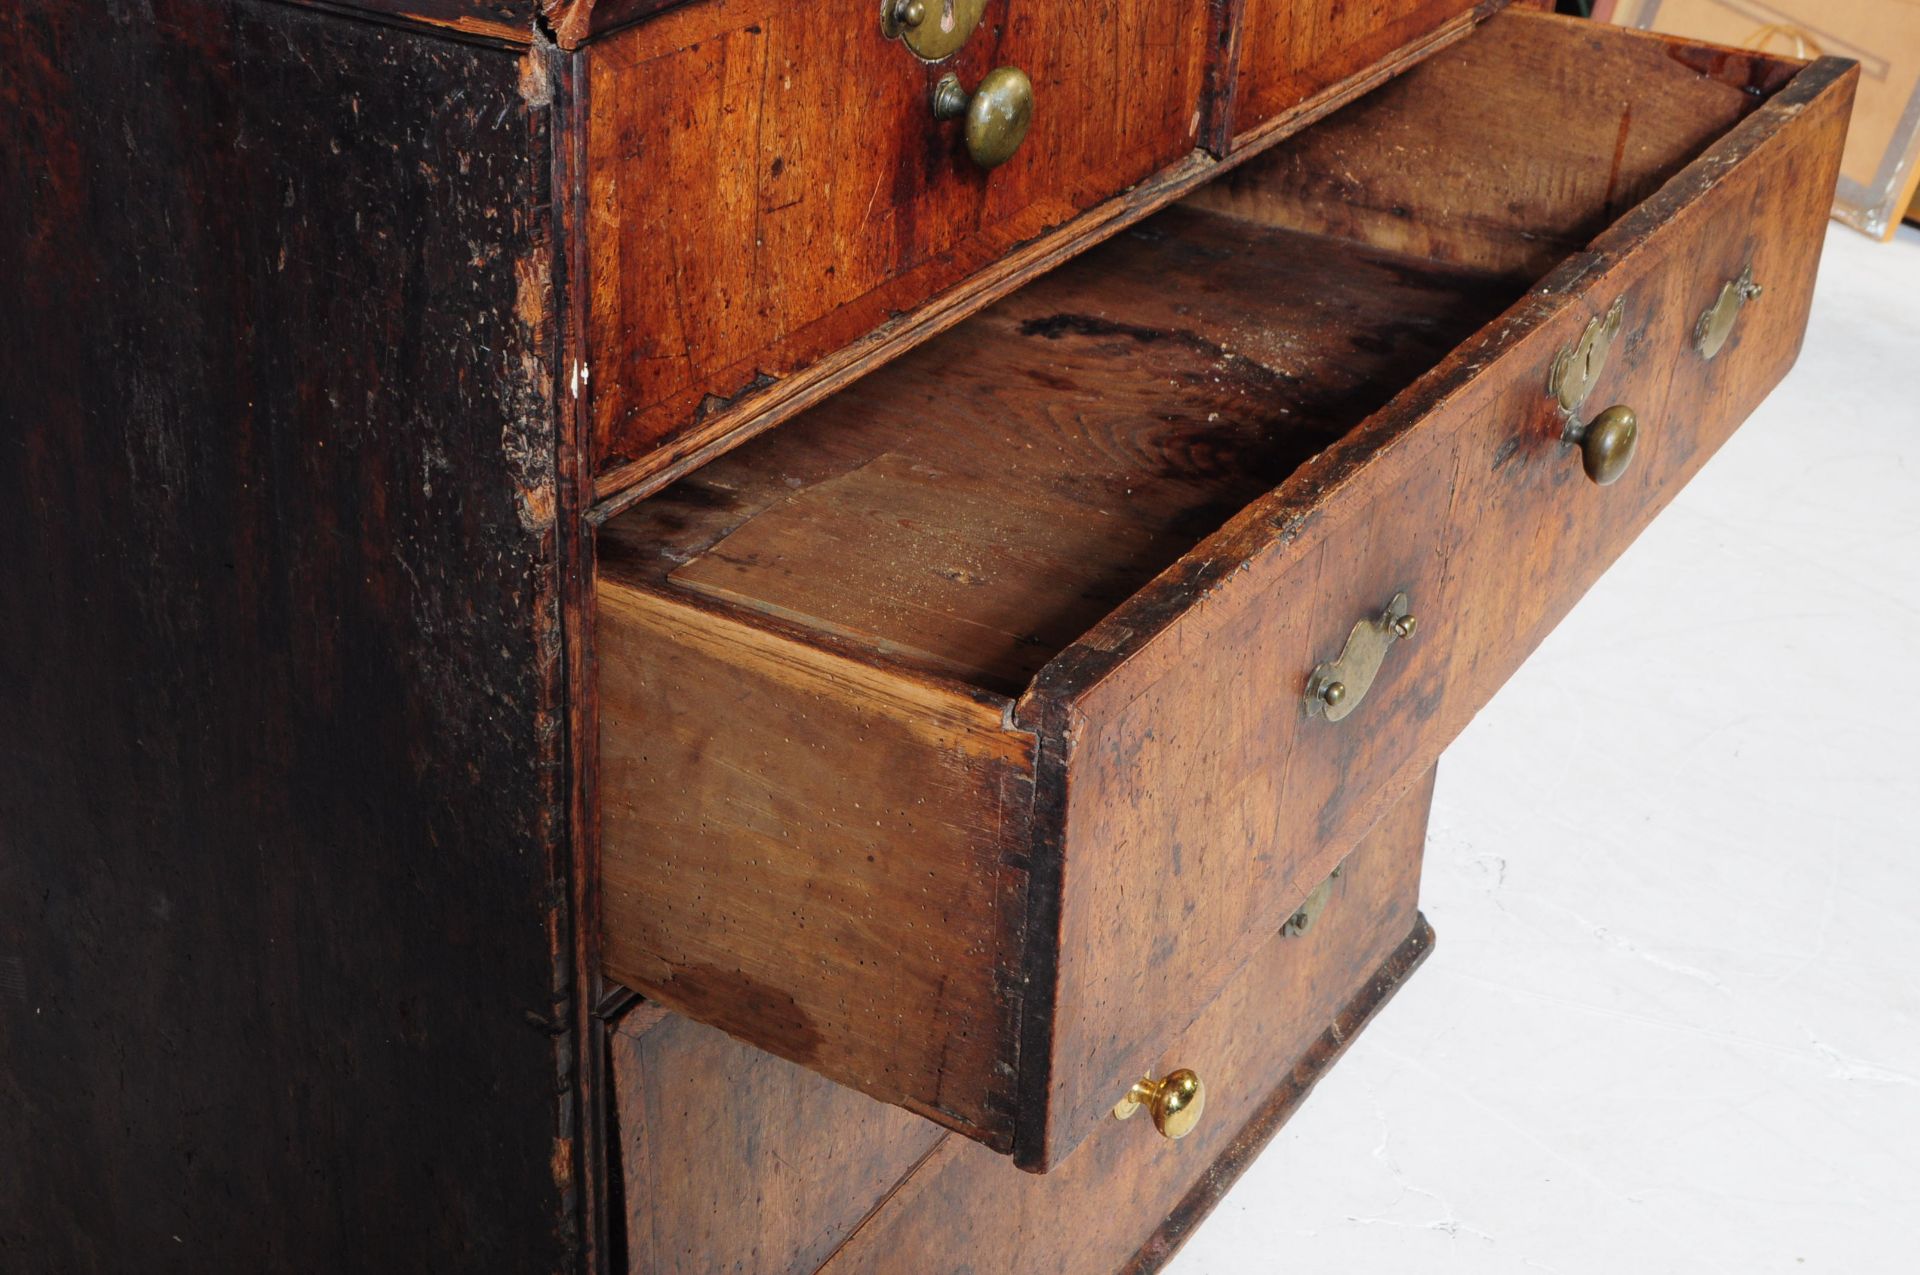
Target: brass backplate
x,y
1309,911
1716,325
942,26
1577,368
1336,687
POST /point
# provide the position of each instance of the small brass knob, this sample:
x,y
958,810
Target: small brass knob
x,y
1405,626
1607,443
1175,1102
1332,693
998,113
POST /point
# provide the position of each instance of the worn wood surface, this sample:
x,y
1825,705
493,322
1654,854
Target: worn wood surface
x,y
1128,1197
1414,497
813,193
907,516
513,23
735,1160
842,535
282,974
1451,163
1289,50
620,485
821,857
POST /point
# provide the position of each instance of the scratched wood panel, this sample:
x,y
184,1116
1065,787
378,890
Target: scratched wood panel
x,y
1488,185
281,729
1182,800
1289,50
905,515
811,195
735,1160
1128,1197
1460,487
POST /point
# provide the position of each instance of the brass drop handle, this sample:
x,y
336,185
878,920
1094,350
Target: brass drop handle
x,y
997,114
1607,443
1175,1101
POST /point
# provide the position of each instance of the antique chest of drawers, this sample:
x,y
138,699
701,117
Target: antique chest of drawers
x,y
695,635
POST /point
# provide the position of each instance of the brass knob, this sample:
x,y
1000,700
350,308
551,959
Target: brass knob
x,y
1332,693
998,113
1175,1100
1607,443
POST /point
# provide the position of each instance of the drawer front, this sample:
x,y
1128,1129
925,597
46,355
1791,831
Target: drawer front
x,y
767,182
1289,51
1129,1197
1205,795
1531,530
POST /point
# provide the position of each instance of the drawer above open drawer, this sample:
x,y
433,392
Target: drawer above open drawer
x,y
768,183
961,738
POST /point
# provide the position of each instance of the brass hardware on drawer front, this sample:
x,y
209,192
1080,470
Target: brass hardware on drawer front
x,y
1577,368
1337,686
998,113
1716,325
1606,443
1310,909
1175,1101
933,29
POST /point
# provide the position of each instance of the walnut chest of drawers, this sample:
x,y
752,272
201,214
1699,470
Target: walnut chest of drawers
x,y
712,635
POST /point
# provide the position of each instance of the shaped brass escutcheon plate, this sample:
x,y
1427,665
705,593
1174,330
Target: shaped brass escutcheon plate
x,y
1337,686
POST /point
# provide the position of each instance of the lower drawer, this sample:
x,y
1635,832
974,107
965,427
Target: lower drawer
x,y
733,1160
964,737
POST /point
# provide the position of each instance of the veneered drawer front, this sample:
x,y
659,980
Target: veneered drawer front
x,y
766,182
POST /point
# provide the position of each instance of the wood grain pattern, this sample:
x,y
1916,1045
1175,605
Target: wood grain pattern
x,y
907,516
737,1161
505,22
818,856
1181,801
1290,50
621,485
815,195
1507,528
1487,186
1128,1197
282,976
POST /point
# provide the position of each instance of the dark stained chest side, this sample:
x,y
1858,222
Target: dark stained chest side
x,y
281,772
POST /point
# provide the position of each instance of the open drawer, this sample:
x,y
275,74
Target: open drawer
x,y
962,738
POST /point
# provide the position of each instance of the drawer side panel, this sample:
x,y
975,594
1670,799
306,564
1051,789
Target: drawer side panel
x,y
864,920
